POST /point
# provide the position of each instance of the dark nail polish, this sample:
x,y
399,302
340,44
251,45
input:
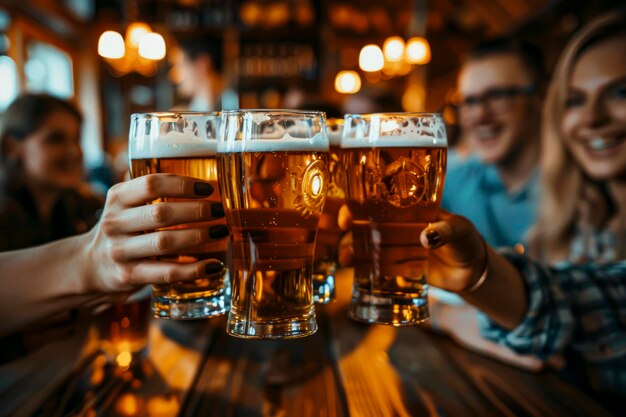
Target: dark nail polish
x,y
217,210
203,188
216,232
213,268
434,239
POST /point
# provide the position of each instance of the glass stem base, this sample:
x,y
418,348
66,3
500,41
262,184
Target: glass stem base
x,y
239,326
393,309
186,309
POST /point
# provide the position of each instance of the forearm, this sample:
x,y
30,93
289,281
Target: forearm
x,y
42,281
503,295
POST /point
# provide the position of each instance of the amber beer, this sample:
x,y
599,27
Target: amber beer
x,y
394,188
273,192
328,231
182,147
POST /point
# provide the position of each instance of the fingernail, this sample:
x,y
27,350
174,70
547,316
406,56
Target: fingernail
x,y
217,210
213,268
434,239
203,188
216,232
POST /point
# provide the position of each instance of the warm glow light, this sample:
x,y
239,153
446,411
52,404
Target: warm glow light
x,y
371,58
135,32
124,359
347,82
417,51
414,98
393,48
152,46
111,45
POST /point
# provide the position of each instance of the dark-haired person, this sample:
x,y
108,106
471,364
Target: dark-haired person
x,y
575,309
43,195
197,71
500,87
497,187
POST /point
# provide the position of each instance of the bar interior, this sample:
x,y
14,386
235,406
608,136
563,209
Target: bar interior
x,y
312,208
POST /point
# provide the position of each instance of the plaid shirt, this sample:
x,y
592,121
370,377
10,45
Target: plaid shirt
x,y
579,307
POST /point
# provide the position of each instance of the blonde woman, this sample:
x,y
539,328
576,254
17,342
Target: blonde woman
x,y
573,309
582,215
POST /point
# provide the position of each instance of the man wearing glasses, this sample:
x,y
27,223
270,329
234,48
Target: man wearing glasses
x,y
497,187
499,114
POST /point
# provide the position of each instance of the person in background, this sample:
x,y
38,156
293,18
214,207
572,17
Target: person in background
x,y
114,258
570,309
43,195
582,214
500,88
497,187
197,71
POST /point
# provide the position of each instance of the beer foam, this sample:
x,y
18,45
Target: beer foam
x,y
398,141
285,143
174,144
373,131
170,147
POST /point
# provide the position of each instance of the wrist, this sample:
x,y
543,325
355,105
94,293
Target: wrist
x,y
484,272
85,265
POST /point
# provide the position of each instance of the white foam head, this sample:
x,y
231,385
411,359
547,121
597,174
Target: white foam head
x,y
394,130
272,131
181,135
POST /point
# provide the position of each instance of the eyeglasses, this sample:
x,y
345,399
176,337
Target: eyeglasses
x,y
497,99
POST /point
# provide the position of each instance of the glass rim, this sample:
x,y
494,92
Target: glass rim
x,y
393,114
175,113
299,112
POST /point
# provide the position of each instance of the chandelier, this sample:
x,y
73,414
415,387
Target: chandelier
x,y
140,50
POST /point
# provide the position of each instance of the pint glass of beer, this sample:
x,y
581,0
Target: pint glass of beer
x,y
395,167
328,232
184,144
273,176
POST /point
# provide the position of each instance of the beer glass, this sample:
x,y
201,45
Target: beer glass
x,y
184,144
273,177
395,168
328,232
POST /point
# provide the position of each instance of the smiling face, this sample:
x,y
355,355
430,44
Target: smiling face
x,y
594,121
499,127
51,155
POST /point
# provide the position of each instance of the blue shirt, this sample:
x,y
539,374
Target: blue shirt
x,y
579,307
476,191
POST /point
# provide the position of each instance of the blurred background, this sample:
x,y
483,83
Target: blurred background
x,y
117,57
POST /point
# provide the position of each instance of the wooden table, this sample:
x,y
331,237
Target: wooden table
x,y
345,369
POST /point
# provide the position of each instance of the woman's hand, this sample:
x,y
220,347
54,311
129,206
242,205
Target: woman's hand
x,y
459,259
120,253
457,256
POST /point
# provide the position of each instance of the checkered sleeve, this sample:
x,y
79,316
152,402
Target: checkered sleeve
x,y
548,325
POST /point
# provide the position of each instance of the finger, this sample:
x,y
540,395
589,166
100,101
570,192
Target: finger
x,y
157,216
163,242
151,187
450,228
158,272
344,218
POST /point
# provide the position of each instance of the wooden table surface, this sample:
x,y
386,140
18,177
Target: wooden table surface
x,y
345,369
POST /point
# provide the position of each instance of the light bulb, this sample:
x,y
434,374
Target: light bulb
x,y
111,45
371,58
393,48
417,51
152,46
136,31
347,82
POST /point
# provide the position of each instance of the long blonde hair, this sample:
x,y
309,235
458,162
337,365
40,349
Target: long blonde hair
x,y
571,202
